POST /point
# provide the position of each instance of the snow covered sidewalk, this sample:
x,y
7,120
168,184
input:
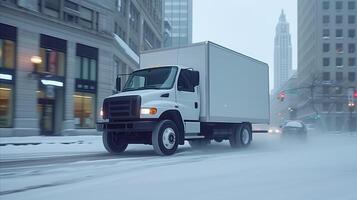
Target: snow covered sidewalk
x,y
15,148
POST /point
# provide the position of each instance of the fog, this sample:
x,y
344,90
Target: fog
x,y
321,167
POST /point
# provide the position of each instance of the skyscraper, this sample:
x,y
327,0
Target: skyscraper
x,y
282,52
178,13
327,62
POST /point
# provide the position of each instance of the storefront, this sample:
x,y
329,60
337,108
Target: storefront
x,y
50,93
85,87
7,74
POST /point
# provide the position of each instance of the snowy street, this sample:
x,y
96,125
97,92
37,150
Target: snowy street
x,y
325,167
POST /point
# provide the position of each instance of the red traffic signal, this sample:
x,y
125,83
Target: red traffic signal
x,y
355,95
281,96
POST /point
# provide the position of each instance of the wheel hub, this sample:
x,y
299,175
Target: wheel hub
x,y
168,138
245,136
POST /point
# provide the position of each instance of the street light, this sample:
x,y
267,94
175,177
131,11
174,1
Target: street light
x,y
36,60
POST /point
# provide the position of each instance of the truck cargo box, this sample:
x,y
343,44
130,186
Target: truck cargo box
x,y
234,88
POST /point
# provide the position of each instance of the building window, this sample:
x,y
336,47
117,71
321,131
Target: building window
x,y
71,5
53,54
6,100
326,5
326,62
326,19
351,62
326,76
134,18
339,76
53,62
7,54
326,33
351,5
326,47
84,112
339,107
326,107
351,19
339,62
339,5
325,89
52,8
351,48
86,68
339,48
351,33
339,19
86,17
339,33
338,90
351,76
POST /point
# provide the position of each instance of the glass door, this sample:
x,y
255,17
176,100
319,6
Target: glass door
x,y
46,110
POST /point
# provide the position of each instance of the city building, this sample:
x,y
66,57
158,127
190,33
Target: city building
x,y
178,14
59,60
327,63
282,52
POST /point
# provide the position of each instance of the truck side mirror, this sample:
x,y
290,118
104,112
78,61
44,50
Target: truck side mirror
x,y
118,84
195,78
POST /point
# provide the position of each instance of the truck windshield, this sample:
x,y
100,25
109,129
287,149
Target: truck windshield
x,y
153,78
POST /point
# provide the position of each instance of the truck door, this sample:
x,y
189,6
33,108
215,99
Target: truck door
x,y
187,99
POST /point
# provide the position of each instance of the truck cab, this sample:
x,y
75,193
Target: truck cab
x,y
157,106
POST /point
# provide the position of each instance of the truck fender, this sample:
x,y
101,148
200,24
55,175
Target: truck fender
x,y
175,116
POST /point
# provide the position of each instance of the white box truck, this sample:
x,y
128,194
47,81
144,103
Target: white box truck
x,y
201,92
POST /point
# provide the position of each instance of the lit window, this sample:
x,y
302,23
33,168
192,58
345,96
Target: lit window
x,y
86,68
7,53
84,110
6,105
53,62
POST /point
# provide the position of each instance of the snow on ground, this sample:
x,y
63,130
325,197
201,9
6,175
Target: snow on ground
x,y
324,167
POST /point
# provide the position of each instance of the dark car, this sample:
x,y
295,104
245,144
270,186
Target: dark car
x,y
294,129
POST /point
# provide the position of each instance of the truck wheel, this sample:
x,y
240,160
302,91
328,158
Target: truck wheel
x,y
112,143
199,144
165,138
241,137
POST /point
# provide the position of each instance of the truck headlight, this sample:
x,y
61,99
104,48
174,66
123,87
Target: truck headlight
x,y
148,111
101,113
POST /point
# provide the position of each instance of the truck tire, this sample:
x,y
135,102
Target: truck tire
x,y
113,144
199,144
165,138
241,137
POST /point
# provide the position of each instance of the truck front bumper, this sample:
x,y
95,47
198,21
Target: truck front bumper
x,y
127,126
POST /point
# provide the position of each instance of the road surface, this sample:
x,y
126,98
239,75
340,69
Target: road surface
x,y
324,167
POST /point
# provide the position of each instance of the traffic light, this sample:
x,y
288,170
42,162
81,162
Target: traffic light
x,y
355,94
281,96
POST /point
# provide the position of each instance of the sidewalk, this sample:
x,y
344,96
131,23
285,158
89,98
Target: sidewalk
x,y
13,148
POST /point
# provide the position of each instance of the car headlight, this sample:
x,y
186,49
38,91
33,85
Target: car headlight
x,y
270,130
277,131
148,111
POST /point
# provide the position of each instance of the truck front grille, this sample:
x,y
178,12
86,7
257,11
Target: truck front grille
x,y
122,108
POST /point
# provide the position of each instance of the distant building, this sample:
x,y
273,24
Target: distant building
x,y
178,13
282,52
327,62
59,60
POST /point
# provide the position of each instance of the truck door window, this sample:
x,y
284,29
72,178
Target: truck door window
x,y
184,83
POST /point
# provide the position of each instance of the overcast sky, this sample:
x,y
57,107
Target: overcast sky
x,y
246,26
